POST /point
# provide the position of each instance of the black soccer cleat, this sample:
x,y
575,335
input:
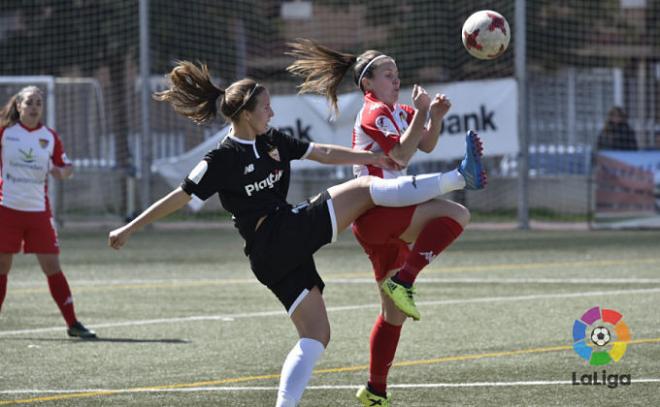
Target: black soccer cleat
x,y
78,330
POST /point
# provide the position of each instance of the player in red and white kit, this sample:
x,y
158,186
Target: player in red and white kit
x,y
29,151
400,242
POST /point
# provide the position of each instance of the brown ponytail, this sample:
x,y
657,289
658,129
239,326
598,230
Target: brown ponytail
x,y
193,95
322,68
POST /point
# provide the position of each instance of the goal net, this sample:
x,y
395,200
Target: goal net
x,y
585,62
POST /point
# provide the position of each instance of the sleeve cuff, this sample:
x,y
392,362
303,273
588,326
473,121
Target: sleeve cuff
x,y
308,152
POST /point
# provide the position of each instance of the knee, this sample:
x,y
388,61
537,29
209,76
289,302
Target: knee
x,y
323,337
461,215
318,332
326,339
366,181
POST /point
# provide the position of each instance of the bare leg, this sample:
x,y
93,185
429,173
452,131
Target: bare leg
x,y
311,321
311,318
350,200
50,263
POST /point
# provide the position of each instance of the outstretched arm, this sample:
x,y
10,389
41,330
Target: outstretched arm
x,y
173,201
333,154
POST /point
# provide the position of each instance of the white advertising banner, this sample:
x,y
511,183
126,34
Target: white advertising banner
x,y
489,107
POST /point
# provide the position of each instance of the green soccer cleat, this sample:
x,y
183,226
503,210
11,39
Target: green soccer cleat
x,y
368,399
402,298
78,330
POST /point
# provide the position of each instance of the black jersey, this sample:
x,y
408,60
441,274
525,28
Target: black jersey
x,y
251,177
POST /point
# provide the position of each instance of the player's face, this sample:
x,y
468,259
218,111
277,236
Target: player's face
x,y
30,109
258,118
385,82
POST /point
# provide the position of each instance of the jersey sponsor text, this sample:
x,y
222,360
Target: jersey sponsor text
x,y
267,182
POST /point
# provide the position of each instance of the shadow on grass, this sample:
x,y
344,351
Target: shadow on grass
x,y
115,340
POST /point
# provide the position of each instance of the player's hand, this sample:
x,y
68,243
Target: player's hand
x,y
439,107
118,237
385,162
421,99
61,172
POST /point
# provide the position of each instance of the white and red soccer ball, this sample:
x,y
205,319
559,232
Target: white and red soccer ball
x,y
486,34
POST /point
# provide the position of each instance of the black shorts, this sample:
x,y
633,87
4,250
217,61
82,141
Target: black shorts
x,y
285,242
296,284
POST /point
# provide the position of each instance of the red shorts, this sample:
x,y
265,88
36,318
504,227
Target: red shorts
x,y
34,232
378,232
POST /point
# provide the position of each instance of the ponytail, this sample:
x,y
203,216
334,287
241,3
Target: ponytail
x,y
192,93
9,114
322,68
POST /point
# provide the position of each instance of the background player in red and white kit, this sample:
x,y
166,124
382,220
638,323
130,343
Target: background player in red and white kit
x,y
29,151
383,125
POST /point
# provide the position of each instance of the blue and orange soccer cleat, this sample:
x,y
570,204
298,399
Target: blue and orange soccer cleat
x,y
471,168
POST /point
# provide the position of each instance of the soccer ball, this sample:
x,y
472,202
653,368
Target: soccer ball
x,y
486,34
600,336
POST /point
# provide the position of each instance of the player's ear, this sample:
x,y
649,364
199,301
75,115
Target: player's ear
x,y
366,84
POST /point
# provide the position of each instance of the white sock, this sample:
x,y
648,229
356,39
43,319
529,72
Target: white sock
x,y
297,370
415,189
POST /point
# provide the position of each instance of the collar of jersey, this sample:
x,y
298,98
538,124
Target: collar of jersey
x,y
240,140
37,127
253,143
372,98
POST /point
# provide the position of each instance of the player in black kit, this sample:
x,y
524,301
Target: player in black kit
x,y
250,170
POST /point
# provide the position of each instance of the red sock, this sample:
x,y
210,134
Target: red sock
x,y
434,238
3,288
59,289
382,345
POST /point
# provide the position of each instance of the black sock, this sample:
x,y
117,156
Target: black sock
x,y
396,280
379,394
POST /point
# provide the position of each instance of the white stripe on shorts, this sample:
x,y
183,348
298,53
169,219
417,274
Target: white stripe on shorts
x,y
333,220
298,300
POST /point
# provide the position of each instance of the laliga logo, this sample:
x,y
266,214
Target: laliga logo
x,y
601,337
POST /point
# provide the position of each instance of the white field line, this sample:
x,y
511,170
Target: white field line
x,y
324,387
365,280
281,312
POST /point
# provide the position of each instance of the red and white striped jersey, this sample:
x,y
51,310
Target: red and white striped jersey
x,y
26,156
378,127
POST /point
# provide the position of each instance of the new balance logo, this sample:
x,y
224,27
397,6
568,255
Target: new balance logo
x,y
429,256
248,169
